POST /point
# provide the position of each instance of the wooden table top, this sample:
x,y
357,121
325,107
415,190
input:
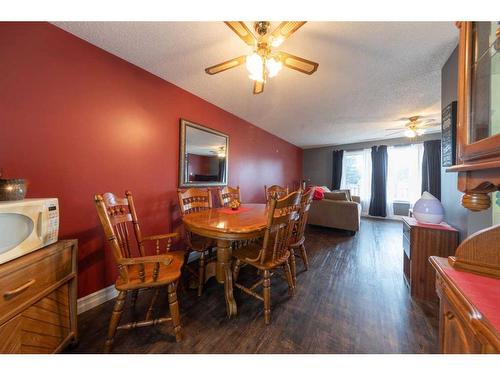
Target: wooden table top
x,y
219,220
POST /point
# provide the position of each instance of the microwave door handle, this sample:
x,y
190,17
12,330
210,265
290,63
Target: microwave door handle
x,y
39,226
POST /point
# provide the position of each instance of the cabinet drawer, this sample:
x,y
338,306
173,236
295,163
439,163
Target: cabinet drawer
x,y
27,281
41,328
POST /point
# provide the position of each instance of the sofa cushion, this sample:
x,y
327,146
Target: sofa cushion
x,y
336,196
346,191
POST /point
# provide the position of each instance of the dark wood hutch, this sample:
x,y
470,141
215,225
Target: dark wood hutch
x,y
478,143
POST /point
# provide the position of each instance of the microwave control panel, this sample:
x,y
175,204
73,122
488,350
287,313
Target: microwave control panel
x,y
53,224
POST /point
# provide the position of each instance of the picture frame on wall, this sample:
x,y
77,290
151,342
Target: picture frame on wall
x,y
449,135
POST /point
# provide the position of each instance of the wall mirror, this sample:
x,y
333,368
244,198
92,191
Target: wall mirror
x,y
203,158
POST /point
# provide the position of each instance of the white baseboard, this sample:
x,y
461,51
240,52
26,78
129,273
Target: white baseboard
x,y
95,299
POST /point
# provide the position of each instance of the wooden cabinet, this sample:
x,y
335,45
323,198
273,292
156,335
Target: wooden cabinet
x,y
478,122
38,300
419,242
464,327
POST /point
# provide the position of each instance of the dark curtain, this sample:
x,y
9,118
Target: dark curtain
x,y
379,182
222,169
431,168
337,169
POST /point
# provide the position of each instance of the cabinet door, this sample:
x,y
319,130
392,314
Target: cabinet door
x,y
41,328
456,336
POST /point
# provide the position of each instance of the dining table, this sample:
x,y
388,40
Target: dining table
x,y
226,225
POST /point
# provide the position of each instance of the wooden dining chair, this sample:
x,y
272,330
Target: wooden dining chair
x,y
190,201
298,237
274,252
136,270
227,194
275,192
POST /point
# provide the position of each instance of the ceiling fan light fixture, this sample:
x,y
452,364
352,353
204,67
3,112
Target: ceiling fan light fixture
x,y
255,67
276,42
410,133
420,131
273,67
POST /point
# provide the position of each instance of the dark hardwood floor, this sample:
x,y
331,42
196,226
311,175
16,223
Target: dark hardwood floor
x,y
352,300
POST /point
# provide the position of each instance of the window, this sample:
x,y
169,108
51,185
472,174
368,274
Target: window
x,y
404,174
356,175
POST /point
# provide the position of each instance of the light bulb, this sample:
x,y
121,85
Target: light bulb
x,y
273,66
276,42
410,133
420,131
255,67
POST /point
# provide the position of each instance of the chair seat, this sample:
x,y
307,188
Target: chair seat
x,y
166,275
251,251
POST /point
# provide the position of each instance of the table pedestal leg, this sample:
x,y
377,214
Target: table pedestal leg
x,y
224,274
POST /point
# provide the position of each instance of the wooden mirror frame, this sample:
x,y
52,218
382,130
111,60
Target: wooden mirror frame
x,y
478,163
182,155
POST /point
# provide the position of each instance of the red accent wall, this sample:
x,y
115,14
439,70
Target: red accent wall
x,y
76,120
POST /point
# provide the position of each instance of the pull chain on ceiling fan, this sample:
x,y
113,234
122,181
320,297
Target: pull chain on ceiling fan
x,y
263,62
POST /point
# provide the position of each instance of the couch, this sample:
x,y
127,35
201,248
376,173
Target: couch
x,y
340,214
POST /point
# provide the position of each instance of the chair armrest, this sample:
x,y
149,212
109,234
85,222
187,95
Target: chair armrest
x,y
356,199
165,259
160,236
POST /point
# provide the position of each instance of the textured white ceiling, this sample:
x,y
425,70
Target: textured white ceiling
x,y
370,73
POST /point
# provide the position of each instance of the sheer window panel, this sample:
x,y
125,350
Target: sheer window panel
x,y
404,175
357,175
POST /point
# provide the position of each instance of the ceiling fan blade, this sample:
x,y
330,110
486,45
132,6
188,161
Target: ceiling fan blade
x,y
297,63
284,31
242,31
233,63
258,87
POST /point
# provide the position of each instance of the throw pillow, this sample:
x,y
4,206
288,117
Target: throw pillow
x,y
318,193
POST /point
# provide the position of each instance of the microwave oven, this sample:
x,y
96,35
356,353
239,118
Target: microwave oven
x,y
27,225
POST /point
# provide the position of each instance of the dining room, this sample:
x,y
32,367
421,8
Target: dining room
x,y
248,195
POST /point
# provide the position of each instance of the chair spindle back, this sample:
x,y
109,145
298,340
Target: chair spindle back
x,y
194,200
282,216
300,225
275,192
227,194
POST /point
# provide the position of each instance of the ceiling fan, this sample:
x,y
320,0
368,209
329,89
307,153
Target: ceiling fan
x,y
415,127
263,62
220,152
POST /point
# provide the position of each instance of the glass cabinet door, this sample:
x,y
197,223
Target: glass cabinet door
x,y
484,120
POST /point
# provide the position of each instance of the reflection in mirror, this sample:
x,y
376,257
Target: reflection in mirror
x,y
203,156
485,80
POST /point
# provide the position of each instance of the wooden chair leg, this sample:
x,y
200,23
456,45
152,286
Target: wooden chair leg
x,y
151,304
201,274
303,255
267,296
134,297
293,266
115,319
173,306
289,278
236,270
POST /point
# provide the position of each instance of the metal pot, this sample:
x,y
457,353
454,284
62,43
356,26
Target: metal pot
x,y
12,189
